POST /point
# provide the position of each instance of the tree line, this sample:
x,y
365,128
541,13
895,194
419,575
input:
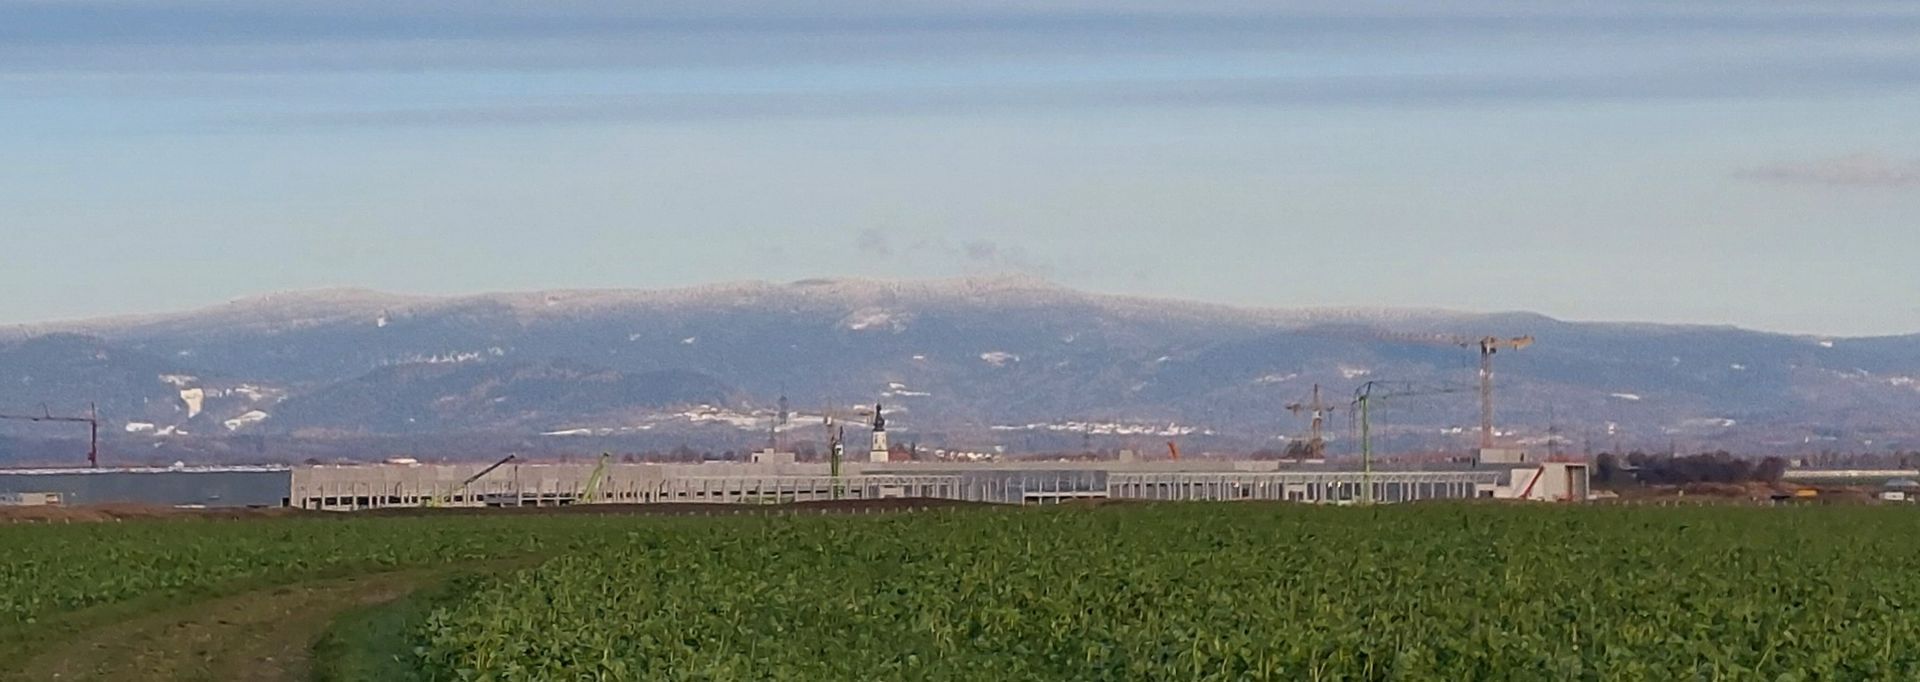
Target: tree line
x,y
1720,466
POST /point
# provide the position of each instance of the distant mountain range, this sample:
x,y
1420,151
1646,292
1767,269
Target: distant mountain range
x,y
1014,363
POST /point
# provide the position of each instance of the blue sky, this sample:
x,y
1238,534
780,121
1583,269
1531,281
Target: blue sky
x,y
1744,162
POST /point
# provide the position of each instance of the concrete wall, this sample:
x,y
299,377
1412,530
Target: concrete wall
x,y
1549,482
29,499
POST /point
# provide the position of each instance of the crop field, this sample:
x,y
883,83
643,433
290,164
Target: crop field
x,y
48,569
1197,591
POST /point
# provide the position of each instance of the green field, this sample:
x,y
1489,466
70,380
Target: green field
x,y
1213,591
51,569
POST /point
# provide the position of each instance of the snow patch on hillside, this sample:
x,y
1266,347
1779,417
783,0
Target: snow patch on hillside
x,y
1702,423
448,358
251,417
999,358
257,393
896,389
708,414
758,421
195,399
875,319
1629,397
1107,428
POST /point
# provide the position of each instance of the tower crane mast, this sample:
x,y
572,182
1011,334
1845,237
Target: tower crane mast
x,y
1488,347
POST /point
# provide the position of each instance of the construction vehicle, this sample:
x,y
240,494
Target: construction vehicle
x,y
440,500
590,494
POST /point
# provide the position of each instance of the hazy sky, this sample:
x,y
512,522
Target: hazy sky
x,y
1746,161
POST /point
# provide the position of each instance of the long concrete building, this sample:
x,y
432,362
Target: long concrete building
x,y
375,486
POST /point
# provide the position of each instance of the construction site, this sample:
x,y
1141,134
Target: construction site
x,y
542,484
775,476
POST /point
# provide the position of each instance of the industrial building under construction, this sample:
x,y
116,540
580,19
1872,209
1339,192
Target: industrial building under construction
x,y
774,477
375,486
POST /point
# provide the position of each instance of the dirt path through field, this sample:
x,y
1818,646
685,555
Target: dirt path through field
x,y
261,636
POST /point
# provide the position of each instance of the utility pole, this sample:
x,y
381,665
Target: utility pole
x,y
1363,399
774,432
1366,443
92,420
1553,435
836,449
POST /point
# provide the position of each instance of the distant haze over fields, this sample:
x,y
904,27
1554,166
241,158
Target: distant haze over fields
x,y
983,364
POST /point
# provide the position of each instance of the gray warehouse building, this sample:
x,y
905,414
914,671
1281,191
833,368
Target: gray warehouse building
x,y
374,486
213,486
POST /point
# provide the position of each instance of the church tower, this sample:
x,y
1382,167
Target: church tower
x,y
880,452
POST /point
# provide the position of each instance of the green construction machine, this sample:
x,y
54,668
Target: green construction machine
x,y
440,500
591,493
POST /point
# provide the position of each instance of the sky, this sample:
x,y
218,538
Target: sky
x,y
1749,162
